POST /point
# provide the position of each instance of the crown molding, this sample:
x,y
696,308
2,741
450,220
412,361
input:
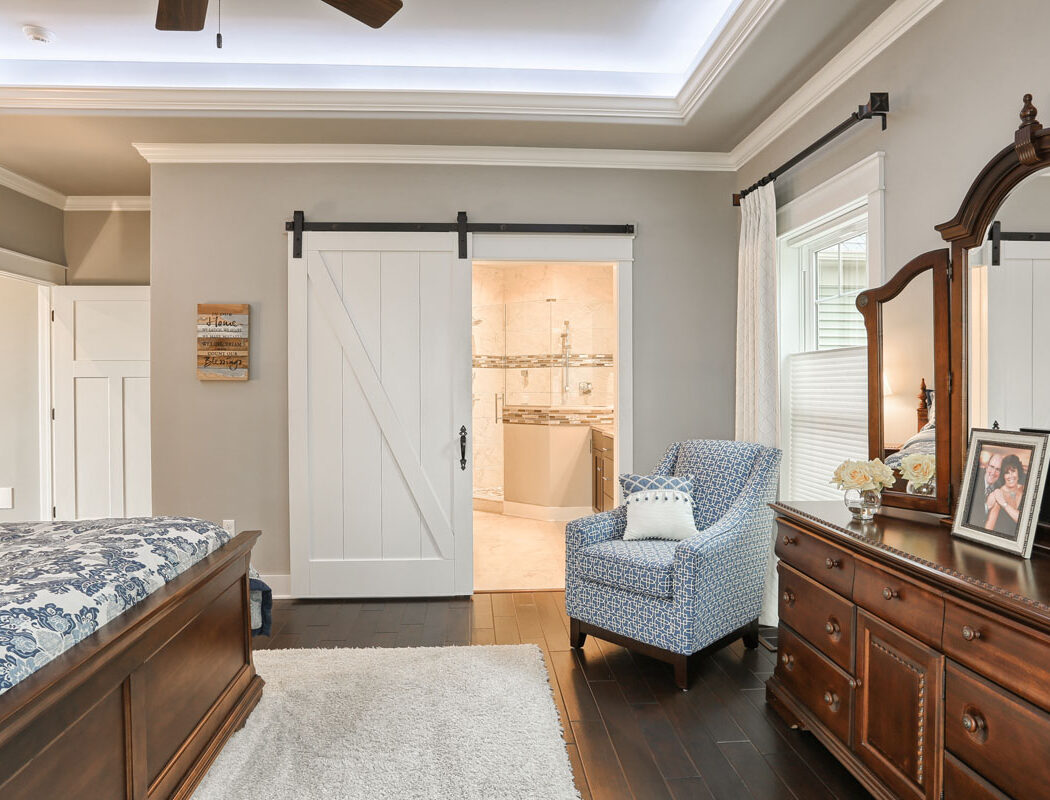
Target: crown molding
x,y
887,28
107,203
30,188
308,102
744,21
222,153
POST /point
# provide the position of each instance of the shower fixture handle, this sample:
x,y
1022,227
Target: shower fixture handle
x,y
462,446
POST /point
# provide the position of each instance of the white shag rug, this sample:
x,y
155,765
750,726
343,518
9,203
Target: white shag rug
x,y
441,723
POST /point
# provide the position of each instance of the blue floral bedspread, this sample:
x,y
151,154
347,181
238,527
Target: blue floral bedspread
x,y
62,581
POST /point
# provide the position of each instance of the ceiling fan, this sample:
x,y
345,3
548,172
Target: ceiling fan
x,y
188,15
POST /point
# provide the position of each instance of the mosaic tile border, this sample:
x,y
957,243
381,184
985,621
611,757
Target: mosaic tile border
x,y
544,360
559,415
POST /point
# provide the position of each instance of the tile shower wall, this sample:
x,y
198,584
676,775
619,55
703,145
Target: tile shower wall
x,y
520,311
488,346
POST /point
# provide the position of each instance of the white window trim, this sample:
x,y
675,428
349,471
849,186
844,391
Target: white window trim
x,y
856,186
861,188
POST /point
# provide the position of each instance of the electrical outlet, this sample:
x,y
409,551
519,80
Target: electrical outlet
x,y
7,498
230,526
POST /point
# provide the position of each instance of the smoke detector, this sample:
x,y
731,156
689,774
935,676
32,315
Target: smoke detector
x,y
38,35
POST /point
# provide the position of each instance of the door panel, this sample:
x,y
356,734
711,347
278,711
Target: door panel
x,y
101,430
897,731
379,504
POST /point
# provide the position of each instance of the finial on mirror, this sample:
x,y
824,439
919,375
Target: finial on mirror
x,y
1028,111
1024,145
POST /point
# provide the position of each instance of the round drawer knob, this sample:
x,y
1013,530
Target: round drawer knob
x,y
790,539
787,660
831,700
889,593
831,563
789,597
831,627
973,722
969,634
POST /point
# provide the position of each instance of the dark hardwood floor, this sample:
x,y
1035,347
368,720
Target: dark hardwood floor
x,y
630,733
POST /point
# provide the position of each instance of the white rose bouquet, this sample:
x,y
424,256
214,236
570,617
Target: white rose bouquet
x,y
919,468
863,475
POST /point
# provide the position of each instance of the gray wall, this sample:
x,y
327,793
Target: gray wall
x,y
107,247
31,227
220,449
19,414
955,82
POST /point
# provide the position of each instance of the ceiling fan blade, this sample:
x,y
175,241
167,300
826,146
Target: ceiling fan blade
x,y
374,13
181,15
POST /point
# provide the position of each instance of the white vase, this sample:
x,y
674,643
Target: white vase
x,y
863,504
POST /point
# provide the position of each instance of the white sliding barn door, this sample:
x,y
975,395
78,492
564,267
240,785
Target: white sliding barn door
x,y
100,392
378,387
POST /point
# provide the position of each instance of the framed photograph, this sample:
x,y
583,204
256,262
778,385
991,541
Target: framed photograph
x,y
1002,489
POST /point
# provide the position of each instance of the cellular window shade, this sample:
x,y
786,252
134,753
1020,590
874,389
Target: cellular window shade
x,y
827,418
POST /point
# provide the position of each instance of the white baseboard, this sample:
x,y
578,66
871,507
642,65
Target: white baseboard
x,y
545,513
280,585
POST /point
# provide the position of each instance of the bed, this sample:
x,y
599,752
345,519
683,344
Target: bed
x,y
925,440
125,656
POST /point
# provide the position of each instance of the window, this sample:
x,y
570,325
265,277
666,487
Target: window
x,y
834,266
824,366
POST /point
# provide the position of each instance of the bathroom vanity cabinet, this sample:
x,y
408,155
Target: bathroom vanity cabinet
x,y
603,471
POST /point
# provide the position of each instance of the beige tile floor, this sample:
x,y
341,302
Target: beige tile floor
x,y
513,553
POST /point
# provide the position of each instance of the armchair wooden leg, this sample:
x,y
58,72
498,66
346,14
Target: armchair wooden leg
x,y
576,637
681,671
751,635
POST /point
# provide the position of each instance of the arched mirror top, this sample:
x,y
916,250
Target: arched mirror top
x,y
1029,154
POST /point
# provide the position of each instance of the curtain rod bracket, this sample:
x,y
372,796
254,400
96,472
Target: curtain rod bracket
x,y
878,105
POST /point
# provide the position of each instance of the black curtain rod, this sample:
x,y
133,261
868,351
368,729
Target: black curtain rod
x,y
461,226
878,106
996,235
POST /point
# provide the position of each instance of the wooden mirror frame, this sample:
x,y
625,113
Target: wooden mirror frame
x,y
870,305
1029,153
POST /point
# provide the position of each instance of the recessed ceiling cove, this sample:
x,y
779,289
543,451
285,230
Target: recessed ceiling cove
x,y
645,48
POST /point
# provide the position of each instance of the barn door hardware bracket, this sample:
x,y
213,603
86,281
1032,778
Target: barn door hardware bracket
x,y
461,227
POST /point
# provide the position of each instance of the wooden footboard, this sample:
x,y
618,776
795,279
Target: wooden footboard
x,y
141,708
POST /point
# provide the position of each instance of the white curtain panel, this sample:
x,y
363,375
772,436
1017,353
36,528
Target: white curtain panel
x,y
757,351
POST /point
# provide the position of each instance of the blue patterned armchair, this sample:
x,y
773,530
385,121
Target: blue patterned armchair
x,y
670,599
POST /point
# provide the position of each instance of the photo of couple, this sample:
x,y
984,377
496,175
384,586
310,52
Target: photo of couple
x,y
998,490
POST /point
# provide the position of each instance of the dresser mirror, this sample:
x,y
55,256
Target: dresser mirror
x,y
907,334
1009,314
999,293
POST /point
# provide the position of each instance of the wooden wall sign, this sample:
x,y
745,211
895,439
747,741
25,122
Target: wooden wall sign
x,y
222,341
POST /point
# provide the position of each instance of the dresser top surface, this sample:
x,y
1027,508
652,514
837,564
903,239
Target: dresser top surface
x,y
921,544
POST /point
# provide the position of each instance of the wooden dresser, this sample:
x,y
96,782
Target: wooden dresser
x,y
921,661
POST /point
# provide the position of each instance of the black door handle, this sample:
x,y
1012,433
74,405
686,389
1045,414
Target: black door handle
x,y
462,446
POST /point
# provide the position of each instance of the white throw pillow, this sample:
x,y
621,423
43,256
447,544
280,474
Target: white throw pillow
x,y
659,514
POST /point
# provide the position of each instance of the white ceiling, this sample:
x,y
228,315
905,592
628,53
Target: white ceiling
x,y
624,47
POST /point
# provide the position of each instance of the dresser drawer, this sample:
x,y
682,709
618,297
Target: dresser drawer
x,y
820,615
1018,658
998,735
962,783
900,602
821,560
818,684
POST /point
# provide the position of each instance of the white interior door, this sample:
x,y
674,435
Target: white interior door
x,y
1017,328
378,387
101,428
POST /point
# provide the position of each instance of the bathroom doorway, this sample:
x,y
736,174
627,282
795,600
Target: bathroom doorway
x,y
545,339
